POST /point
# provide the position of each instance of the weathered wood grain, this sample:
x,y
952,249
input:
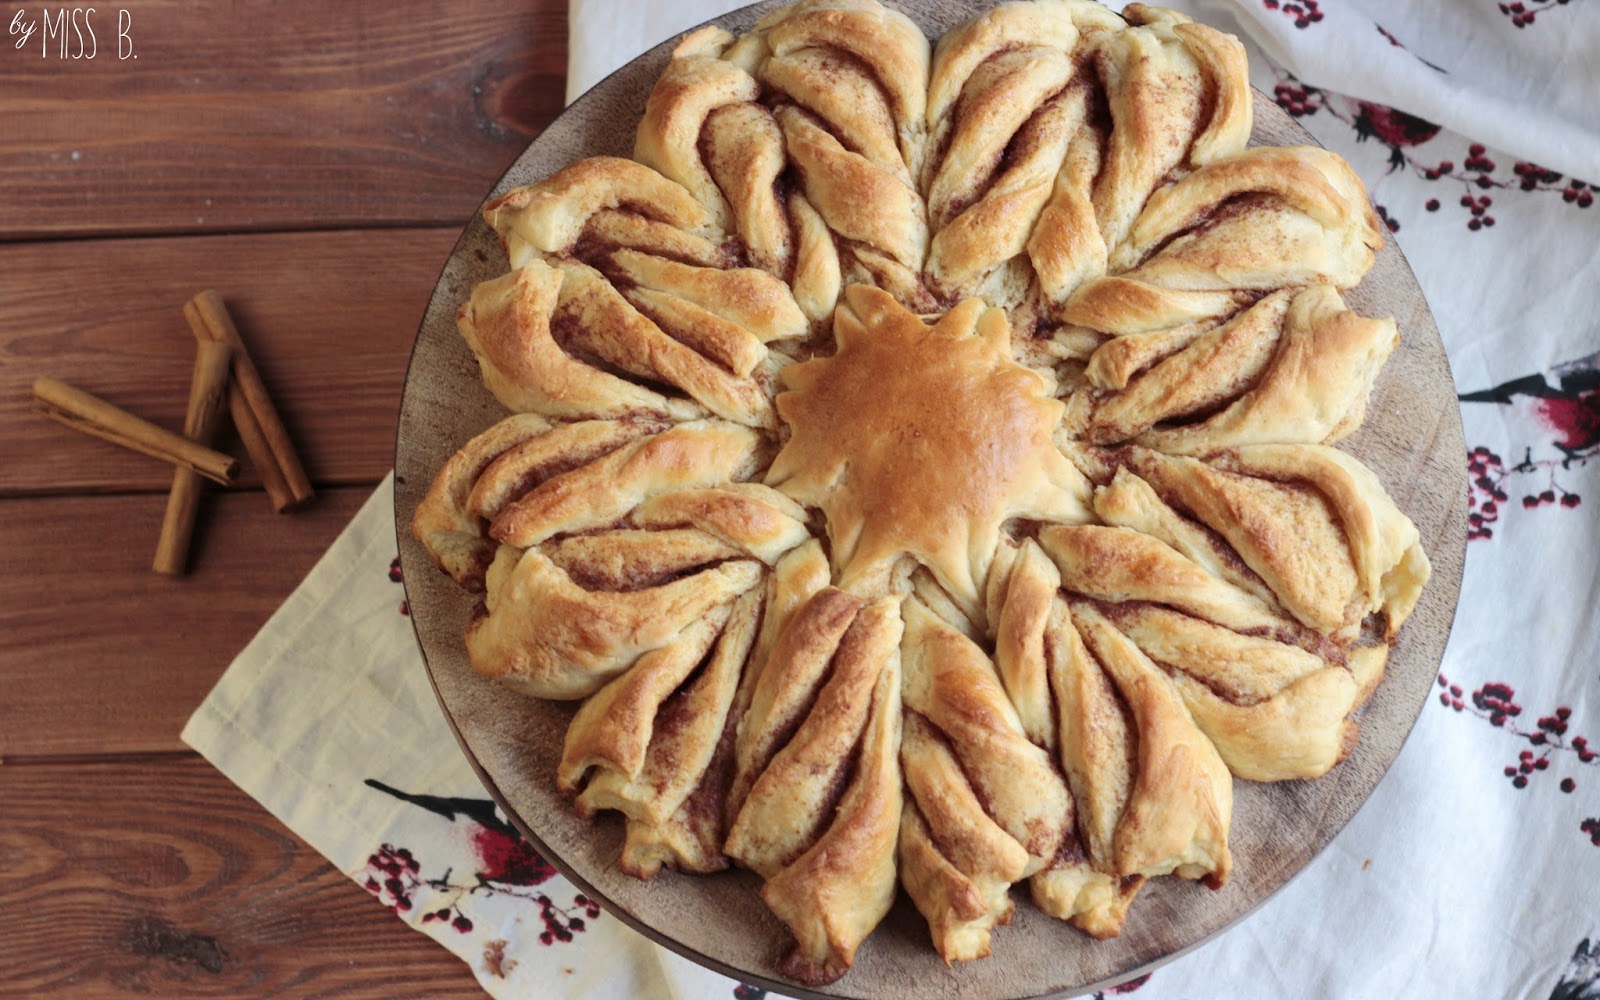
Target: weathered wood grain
x,y
328,316
102,655
273,116
152,875
157,877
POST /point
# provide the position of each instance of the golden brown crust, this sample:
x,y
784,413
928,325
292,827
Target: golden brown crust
x,y
1006,576
688,456
869,409
1312,523
1055,24
1253,221
1313,390
1098,738
886,42
550,216
612,729
976,779
1097,751
957,909
792,800
841,92
1227,75
455,537
564,447
960,905
748,516
953,685
1092,901
629,559
817,275
796,578
1129,502
984,219
1289,537
1116,565
858,200
744,155
1177,813
1391,566
788,683
579,639
600,321
1066,247
1019,638
609,229
693,86
1311,221
1156,91
1273,711
508,324
835,893
673,814
998,99
1211,371
752,301
1301,528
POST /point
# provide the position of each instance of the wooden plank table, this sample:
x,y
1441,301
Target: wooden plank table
x,y
315,165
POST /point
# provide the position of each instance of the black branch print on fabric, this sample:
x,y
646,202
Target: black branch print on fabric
x,y
1554,418
504,864
1472,171
1581,980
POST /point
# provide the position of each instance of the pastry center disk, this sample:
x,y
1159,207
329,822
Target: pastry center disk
x,y
920,440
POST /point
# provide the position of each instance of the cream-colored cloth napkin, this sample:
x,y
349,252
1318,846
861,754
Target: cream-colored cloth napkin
x,y
328,720
1472,870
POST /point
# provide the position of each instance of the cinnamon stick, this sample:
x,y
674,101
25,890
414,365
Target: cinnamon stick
x,y
93,415
208,390
260,452
270,449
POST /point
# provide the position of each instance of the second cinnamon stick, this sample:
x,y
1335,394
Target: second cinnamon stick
x,y
208,391
260,451
208,318
93,415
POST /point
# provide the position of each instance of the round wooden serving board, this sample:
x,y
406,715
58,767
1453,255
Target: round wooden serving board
x,y
1412,438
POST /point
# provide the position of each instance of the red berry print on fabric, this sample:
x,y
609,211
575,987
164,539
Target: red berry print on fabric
x,y
397,576
1485,476
562,922
501,856
392,877
454,917
1370,121
1554,417
1478,173
1525,13
1474,171
504,864
744,991
1304,13
1550,743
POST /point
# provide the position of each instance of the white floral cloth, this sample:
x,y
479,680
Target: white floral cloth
x,y
1473,869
